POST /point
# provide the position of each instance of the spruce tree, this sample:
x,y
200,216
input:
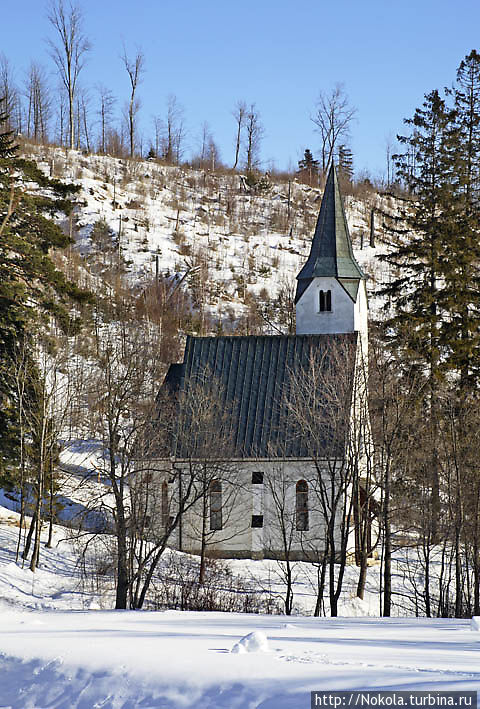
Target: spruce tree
x,y
345,163
32,290
416,294
7,142
308,167
461,272
421,243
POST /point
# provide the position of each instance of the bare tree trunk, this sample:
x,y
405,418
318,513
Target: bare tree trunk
x,y
68,55
201,575
134,70
28,540
50,509
387,548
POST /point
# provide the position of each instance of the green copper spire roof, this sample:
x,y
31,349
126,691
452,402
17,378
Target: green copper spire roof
x,y
331,253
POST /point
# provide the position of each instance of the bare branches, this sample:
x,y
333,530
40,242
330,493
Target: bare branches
x,y
255,133
134,68
39,102
239,113
70,52
333,118
105,111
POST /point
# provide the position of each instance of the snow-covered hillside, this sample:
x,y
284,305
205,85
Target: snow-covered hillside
x,y
182,220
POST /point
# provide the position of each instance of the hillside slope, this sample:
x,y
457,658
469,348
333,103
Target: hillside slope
x,y
231,242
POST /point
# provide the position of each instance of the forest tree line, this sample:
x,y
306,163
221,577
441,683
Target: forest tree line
x,y
53,105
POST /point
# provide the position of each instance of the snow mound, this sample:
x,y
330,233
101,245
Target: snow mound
x,y
475,623
253,642
355,607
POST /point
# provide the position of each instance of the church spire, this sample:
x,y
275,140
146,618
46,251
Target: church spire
x,y
331,254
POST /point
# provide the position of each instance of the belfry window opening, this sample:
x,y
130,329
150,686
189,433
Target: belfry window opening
x,y
325,301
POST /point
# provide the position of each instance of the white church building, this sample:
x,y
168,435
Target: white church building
x,y
279,461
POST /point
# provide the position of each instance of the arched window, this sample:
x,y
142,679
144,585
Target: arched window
x,y
164,504
325,301
215,505
301,491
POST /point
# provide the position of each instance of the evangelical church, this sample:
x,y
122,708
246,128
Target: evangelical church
x,y
287,418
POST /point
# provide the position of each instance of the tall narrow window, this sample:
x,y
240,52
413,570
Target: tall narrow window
x,y
164,504
302,506
325,301
215,505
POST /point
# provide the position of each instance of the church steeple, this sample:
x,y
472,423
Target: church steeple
x,y
331,291
331,254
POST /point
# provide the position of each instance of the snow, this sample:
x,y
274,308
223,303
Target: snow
x,y
60,648
253,642
173,659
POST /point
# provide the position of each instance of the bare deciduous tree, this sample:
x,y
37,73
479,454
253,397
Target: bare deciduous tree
x,y
70,51
173,131
327,408
39,103
83,119
134,68
10,96
280,486
208,154
105,113
254,135
333,118
239,113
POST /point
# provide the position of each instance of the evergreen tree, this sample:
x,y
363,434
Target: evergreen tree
x,y
32,289
308,167
417,293
461,272
7,143
345,163
421,245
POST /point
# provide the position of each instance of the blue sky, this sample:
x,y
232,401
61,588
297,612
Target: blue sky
x,y
277,54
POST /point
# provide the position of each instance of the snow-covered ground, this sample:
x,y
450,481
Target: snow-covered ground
x,y
60,648
82,660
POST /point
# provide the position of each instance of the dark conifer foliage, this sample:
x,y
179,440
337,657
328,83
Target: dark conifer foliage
x,y
7,142
420,248
461,330
417,293
345,163
32,289
308,167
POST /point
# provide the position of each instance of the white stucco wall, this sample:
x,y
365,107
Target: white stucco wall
x,y
345,316
310,321
242,499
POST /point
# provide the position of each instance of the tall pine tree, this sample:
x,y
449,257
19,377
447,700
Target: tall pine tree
x,y
461,272
32,289
417,294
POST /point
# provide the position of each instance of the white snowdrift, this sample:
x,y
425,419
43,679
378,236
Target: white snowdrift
x,y
253,642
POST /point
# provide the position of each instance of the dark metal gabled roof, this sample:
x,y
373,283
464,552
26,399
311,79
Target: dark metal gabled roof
x,y
331,253
254,376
